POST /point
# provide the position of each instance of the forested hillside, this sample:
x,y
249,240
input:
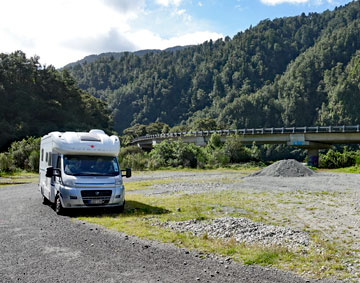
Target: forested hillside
x,y
293,71
36,100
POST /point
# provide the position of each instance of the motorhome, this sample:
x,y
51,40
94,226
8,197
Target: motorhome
x,y
81,170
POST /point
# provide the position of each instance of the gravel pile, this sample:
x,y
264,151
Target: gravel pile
x,y
285,168
242,230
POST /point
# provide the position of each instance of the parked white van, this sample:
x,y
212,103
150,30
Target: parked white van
x,y
81,170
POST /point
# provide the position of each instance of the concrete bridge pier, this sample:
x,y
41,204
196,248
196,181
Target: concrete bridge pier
x,y
313,157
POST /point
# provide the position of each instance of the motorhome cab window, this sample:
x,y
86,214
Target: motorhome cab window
x,y
84,165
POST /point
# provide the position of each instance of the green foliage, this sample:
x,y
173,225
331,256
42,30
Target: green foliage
x,y
38,99
5,162
203,124
177,153
24,153
236,152
215,141
265,257
34,161
270,152
336,159
133,157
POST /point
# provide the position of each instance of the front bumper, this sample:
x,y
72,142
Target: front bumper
x,y
92,197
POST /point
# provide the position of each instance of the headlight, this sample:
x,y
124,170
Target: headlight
x,y
118,182
69,183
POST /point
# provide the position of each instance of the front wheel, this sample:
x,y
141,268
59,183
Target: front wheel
x,y
121,208
58,206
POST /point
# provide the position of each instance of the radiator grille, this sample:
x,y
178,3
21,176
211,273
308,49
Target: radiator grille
x,y
96,197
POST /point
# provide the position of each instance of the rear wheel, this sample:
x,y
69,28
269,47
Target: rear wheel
x,y
45,201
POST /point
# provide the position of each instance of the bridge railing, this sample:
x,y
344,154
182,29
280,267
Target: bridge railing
x,y
256,131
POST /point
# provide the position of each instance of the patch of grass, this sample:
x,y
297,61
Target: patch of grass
x,y
263,257
352,169
16,178
143,185
143,212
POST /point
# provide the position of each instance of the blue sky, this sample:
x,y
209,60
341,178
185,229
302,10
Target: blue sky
x,y
64,31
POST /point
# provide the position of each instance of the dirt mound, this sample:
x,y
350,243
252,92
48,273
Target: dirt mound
x,y
285,168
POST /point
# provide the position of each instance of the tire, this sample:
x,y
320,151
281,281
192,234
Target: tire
x,y
45,201
58,206
121,208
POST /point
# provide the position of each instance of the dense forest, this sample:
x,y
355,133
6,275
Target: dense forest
x,y
294,71
37,99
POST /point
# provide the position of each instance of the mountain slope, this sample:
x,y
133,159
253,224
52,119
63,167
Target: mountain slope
x,y
279,73
36,100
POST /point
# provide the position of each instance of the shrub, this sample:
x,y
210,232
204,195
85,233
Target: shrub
x,y
34,160
177,153
336,159
133,157
20,152
236,152
138,161
5,162
218,158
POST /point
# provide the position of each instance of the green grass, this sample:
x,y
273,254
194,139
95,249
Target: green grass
x,y
143,185
16,178
142,213
352,169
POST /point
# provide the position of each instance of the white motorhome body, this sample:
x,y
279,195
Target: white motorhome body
x,y
80,169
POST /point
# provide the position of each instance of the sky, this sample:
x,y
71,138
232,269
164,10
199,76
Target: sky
x,y
64,31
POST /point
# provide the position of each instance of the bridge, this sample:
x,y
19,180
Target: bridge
x,y
310,138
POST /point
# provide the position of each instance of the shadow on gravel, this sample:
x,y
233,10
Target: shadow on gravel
x,y
132,208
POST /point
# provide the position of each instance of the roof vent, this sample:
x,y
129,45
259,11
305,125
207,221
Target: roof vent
x,y
89,137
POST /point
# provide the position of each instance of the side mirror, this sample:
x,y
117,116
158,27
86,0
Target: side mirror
x,y
127,173
52,172
49,172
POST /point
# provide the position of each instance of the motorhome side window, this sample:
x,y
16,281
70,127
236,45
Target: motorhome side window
x,y
47,157
42,155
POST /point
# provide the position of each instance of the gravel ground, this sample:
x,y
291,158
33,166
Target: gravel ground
x,y
38,246
243,230
328,203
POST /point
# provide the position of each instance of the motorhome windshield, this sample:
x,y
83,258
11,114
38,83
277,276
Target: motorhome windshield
x,y
84,165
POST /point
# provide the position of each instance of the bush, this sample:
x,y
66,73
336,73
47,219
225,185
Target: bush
x,y
34,159
218,158
133,157
138,161
336,159
5,162
20,152
177,153
236,152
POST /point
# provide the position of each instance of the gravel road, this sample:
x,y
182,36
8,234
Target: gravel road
x,y
36,245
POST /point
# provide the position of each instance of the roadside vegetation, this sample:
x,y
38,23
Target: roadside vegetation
x,y
24,155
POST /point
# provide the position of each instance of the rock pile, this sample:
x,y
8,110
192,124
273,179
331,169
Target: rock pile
x,y
242,230
285,168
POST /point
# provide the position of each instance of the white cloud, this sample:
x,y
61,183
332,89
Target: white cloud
x,y
181,12
310,2
146,39
106,42
126,6
276,2
64,31
167,3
